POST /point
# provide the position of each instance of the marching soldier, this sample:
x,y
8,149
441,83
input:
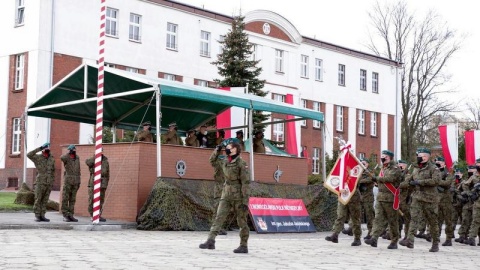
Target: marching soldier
x,y
366,190
405,196
445,207
457,204
71,183
463,197
473,195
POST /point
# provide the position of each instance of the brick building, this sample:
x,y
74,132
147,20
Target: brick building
x,y
356,91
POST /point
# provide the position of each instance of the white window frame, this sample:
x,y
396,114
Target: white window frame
x,y
316,107
202,83
278,97
205,43
373,124
339,125
304,105
19,71
111,27
172,37
169,77
375,78
221,38
253,56
341,74
135,28
278,130
20,12
363,79
279,60
318,69
316,160
131,69
361,122
361,155
16,135
304,66
110,65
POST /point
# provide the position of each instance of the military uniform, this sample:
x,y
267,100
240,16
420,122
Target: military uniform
x,y
171,137
219,178
445,207
192,141
258,146
475,225
426,178
366,190
457,204
105,177
405,196
235,194
467,208
145,136
71,184
44,181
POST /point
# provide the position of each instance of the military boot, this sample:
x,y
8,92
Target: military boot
x,y
348,231
101,219
43,218
470,241
428,237
72,219
406,243
38,218
222,232
372,242
332,238
209,244
434,248
459,239
66,219
393,246
447,243
478,242
420,234
241,249
356,242
368,236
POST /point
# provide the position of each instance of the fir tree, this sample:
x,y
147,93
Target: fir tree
x,y
236,66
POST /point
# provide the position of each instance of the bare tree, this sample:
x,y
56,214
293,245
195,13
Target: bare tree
x,y
424,47
473,109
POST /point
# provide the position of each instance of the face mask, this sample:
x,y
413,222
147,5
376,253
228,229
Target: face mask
x,y
442,169
457,177
419,160
47,151
383,160
149,128
478,168
228,151
470,174
72,152
438,165
205,132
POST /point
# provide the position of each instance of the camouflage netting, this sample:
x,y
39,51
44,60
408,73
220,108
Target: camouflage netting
x,y
25,195
179,204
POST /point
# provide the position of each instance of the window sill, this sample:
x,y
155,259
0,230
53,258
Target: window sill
x,y
112,36
319,80
172,49
19,25
206,56
135,41
373,136
339,131
15,155
375,92
361,134
304,77
303,126
342,85
17,90
279,72
364,90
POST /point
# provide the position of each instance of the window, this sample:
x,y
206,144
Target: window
x,y
304,105
361,122
169,77
278,97
111,28
110,65
316,161
205,43
19,71
16,135
318,69
221,45
278,130
363,79
20,13
130,69
374,82
316,107
374,158
135,30
253,56
339,118
202,83
361,155
373,123
172,30
304,66
279,61
341,75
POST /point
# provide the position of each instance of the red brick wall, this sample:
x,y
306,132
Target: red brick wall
x,y
391,134
178,78
275,31
133,173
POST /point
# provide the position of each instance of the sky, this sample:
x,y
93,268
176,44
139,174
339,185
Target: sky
x,y
346,23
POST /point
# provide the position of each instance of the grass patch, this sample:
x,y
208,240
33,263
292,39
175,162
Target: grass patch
x,y
7,204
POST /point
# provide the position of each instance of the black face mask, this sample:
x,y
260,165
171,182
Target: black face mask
x,y
228,151
438,165
383,160
478,168
47,151
419,160
149,128
470,174
73,152
457,177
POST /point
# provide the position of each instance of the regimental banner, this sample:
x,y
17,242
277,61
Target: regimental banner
x,y
274,215
472,146
449,141
343,178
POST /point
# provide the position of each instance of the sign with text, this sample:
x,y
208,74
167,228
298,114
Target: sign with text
x,y
274,215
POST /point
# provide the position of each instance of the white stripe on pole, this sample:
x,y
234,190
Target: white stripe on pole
x,y
476,140
99,126
452,134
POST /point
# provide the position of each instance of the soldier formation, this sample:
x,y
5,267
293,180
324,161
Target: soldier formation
x,y
423,200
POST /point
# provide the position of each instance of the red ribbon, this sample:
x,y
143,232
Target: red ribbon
x,y
394,191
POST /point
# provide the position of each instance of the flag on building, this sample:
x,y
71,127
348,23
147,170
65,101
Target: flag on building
x,y
472,146
449,141
344,176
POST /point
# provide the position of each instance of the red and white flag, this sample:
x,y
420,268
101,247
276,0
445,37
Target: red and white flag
x,y
472,146
449,141
344,176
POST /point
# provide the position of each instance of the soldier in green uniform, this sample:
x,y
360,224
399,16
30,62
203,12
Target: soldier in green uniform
x,y
191,139
219,178
71,183
235,194
473,196
425,178
45,164
467,205
258,146
388,182
145,135
105,176
405,196
366,190
457,204
352,209
171,136
445,207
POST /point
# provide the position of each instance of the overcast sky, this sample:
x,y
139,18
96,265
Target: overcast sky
x,y
346,23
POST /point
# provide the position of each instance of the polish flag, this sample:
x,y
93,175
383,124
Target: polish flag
x,y
449,141
472,146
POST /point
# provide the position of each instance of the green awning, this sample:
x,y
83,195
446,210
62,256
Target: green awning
x,y
129,98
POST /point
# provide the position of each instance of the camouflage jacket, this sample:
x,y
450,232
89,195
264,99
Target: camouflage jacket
x,y
391,174
171,137
258,146
45,167
405,189
236,176
465,188
429,177
72,169
144,136
105,171
192,141
475,180
365,185
444,187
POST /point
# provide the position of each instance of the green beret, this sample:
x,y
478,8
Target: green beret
x,y
401,161
364,159
472,167
458,170
440,159
477,160
387,152
423,150
71,147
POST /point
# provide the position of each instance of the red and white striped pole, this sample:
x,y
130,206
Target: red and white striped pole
x,y
99,126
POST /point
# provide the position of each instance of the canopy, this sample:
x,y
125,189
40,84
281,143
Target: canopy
x,y
270,149
129,98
